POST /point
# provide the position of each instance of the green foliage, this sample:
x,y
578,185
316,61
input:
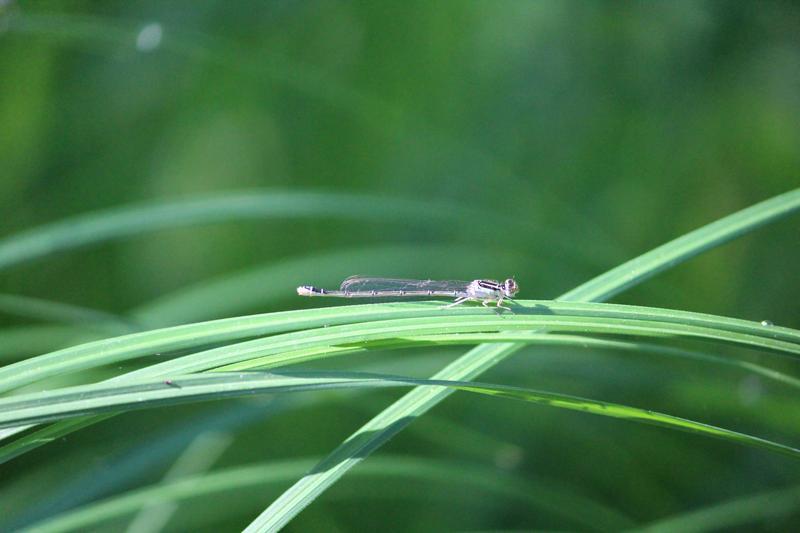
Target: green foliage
x,y
170,174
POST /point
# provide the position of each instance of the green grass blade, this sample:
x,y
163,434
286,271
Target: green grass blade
x,y
731,514
46,310
295,347
358,323
124,221
679,250
17,342
290,348
50,433
117,349
391,421
198,457
318,83
113,397
542,339
543,495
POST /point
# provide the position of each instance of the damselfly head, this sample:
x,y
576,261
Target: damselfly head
x,y
510,287
307,290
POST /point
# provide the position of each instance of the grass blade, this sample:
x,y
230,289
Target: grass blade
x,y
117,349
112,397
544,496
546,339
645,266
292,348
358,323
18,342
38,309
418,320
50,433
731,514
91,228
391,421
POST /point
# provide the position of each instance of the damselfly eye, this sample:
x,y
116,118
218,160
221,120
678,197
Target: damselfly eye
x,y
510,287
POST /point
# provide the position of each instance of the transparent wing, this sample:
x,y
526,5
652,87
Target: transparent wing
x,y
364,284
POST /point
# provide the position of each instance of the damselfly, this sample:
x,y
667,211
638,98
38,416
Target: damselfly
x,y
479,290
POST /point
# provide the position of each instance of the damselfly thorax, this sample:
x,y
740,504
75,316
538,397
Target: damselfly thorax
x,y
481,290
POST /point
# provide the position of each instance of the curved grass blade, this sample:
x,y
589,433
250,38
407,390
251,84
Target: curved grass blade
x,y
546,339
117,349
17,342
731,514
336,341
96,481
118,222
543,495
648,265
112,397
358,323
38,309
319,84
391,421
148,453
198,457
290,348
265,353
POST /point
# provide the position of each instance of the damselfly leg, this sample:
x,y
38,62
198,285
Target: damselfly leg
x,y
458,301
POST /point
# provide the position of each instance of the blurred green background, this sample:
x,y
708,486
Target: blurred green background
x,y
546,140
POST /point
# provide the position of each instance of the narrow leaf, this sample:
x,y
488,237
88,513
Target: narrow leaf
x,y
391,421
